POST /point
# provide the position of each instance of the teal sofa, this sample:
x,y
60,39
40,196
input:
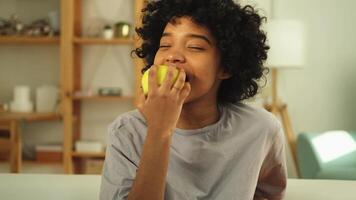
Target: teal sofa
x,y
327,155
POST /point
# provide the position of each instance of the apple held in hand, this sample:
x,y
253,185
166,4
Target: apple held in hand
x,y
161,74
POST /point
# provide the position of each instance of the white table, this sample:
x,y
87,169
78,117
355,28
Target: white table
x,y
87,187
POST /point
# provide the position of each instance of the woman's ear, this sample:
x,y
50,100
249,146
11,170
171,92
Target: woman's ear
x,y
223,74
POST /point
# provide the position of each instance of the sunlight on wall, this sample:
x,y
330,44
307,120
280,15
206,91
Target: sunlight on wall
x,y
333,144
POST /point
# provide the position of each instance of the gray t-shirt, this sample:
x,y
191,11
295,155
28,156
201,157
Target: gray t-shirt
x,y
240,157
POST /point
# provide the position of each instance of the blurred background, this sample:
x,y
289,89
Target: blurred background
x,y
87,61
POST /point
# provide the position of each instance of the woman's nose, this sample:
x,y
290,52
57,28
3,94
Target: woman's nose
x,y
175,57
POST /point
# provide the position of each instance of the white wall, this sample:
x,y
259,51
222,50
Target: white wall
x,y
321,95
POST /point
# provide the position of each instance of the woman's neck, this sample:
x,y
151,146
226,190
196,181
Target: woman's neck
x,y
198,115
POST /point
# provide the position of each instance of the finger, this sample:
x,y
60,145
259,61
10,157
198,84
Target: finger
x,y
185,92
141,98
179,84
152,80
168,80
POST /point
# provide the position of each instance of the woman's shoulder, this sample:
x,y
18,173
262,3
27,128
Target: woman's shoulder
x,y
257,117
126,136
250,111
127,123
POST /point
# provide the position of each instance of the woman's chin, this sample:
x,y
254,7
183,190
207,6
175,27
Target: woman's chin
x,y
188,99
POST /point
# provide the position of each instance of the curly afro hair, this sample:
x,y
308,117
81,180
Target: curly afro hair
x,y
241,42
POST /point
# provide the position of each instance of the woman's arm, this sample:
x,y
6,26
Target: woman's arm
x,y
151,176
272,180
161,109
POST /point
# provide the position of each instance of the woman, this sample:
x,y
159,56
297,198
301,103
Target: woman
x,y
193,138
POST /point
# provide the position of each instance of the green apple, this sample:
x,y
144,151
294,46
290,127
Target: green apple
x,y
161,74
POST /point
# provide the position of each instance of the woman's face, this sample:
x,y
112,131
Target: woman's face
x,y
185,44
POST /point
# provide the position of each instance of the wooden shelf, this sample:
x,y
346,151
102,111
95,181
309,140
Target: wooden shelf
x,y
30,117
98,97
88,154
71,51
100,41
28,40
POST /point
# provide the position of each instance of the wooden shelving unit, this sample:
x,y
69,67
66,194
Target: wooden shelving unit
x,y
88,155
30,117
99,41
97,97
72,43
28,40
10,121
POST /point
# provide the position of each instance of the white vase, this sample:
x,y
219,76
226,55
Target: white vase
x,y
46,98
108,34
22,99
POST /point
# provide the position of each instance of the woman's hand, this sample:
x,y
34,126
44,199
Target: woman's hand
x,y
163,104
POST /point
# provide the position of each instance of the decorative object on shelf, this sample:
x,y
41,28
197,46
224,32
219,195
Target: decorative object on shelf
x,y
12,26
5,25
110,91
84,93
108,32
15,27
89,146
22,101
49,152
122,30
46,98
54,21
39,27
100,29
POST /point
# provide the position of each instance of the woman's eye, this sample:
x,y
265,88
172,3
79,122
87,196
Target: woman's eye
x,y
164,46
196,48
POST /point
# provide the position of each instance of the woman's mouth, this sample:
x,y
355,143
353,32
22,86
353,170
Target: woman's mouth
x,y
187,78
